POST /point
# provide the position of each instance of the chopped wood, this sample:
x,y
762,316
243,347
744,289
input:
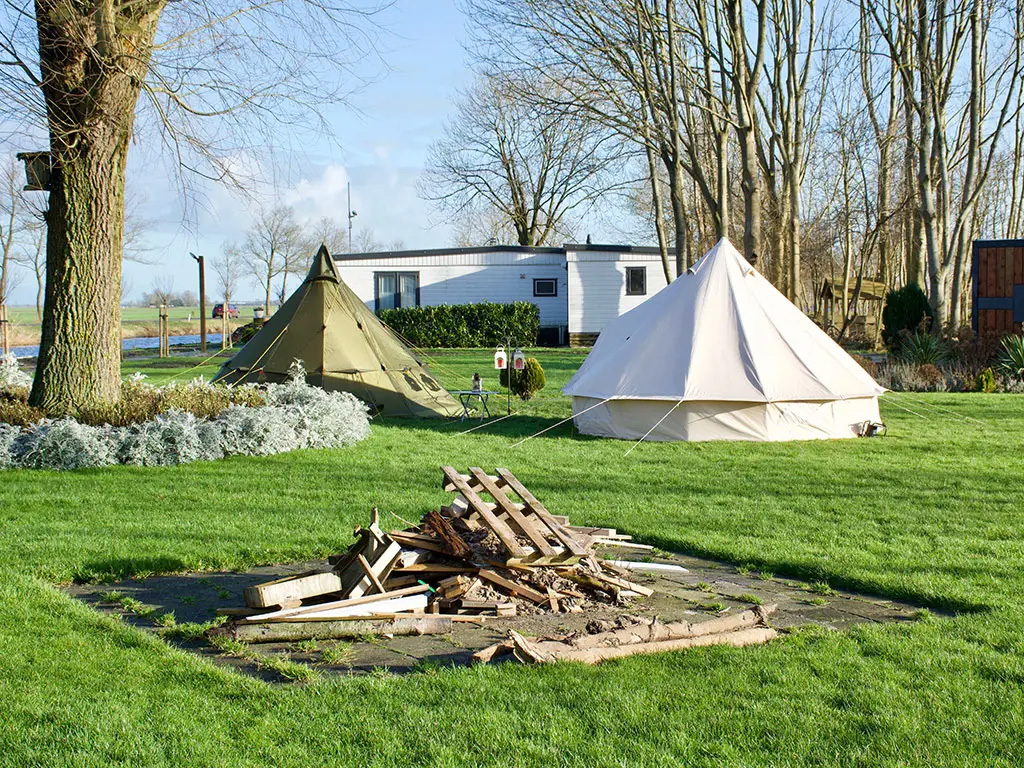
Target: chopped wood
x,y
491,651
449,537
553,599
428,543
325,630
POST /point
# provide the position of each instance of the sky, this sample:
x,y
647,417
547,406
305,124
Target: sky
x,y
380,147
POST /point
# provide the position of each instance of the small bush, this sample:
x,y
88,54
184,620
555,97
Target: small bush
x,y
63,444
14,409
985,381
527,382
483,324
1011,359
906,310
11,375
932,376
923,348
140,401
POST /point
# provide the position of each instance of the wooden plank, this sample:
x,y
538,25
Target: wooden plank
x,y
291,588
365,599
382,563
1008,273
539,509
420,542
381,605
516,588
502,531
506,505
370,574
1018,267
436,568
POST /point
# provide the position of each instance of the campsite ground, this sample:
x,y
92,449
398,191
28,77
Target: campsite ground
x,y
933,513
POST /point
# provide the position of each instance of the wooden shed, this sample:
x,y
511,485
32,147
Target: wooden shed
x,y
998,286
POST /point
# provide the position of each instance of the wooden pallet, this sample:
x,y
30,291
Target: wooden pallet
x,y
525,528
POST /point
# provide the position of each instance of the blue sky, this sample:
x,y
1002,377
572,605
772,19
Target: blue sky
x,y
380,146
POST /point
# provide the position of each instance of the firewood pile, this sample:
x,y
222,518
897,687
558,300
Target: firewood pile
x,y
494,551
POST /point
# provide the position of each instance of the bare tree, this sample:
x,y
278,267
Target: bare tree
x,y
206,78
536,167
11,221
273,246
229,267
162,290
961,94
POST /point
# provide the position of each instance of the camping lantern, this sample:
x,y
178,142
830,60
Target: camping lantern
x,y
518,360
500,359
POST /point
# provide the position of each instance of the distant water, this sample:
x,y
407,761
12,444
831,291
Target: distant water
x,y
140,342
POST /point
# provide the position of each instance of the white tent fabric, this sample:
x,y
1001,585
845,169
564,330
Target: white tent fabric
x,y
720,354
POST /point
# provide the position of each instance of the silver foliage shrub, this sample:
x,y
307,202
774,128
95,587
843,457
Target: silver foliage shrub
x,y
175,437
296,416
11,375
64,444
8,434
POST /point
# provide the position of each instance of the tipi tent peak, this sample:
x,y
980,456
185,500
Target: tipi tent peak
x,y
720,354
343,346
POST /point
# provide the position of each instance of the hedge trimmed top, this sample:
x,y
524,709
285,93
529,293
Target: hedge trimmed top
x,y
483,324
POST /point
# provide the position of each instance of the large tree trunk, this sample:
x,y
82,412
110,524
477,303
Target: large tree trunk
x,y
93,60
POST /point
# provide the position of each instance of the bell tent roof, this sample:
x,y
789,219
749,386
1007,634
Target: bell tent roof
x,y
719,332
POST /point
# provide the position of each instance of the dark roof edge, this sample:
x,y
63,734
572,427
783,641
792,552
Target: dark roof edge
x,y
526,249
1008,243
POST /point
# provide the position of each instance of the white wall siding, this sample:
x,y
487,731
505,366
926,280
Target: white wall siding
x,y
597,286
466,278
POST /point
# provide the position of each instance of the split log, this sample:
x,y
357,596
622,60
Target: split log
x,y
449,537
326,630
527,651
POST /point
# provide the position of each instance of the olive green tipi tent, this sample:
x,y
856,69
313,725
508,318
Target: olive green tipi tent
x,y
343,346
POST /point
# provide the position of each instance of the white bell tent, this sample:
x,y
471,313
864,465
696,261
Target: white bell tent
x,y
720,354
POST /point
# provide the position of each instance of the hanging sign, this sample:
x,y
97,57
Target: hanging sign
x,y
500,359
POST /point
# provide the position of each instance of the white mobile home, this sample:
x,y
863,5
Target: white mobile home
x,y
577,288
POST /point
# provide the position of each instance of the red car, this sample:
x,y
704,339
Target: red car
x,y
218,310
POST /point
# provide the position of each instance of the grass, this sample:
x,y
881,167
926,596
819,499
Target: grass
x,y
931,513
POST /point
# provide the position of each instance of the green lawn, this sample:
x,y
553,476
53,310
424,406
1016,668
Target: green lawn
x,y
934,513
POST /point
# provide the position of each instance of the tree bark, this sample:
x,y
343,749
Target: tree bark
x,y
93,62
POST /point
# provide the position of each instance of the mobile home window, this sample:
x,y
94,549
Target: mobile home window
x,y
545,287
636,281
392,290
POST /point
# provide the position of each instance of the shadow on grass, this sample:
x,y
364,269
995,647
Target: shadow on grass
x,y
107,571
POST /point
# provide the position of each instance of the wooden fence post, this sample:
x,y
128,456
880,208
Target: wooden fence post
x,y
5,346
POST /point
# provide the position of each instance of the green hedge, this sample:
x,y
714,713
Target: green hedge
x,y
484,324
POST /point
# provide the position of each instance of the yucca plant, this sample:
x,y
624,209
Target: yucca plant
x,y
923,348
1011,360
